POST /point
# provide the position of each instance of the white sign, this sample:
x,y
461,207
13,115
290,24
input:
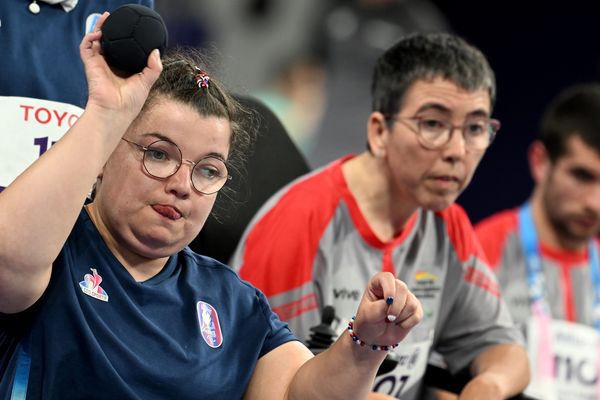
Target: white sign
x,y
28,127
573,353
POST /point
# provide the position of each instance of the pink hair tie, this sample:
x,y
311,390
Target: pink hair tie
x,y
202,78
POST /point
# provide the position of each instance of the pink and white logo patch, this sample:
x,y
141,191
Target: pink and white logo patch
x,y
91,286
209,324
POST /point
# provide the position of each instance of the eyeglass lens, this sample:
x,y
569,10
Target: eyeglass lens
x,y
477,132
163,158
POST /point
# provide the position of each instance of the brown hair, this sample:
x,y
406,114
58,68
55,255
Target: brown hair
x,y
178,81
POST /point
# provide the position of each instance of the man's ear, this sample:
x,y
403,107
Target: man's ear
x,y
378,134
539,161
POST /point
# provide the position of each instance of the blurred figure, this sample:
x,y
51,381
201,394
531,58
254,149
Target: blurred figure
x,y
545,252
297,95
274,50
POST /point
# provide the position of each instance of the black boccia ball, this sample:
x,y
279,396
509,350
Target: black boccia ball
x,y
129,35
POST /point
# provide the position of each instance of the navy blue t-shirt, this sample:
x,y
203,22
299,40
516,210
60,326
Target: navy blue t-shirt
x,y
40,52
195,330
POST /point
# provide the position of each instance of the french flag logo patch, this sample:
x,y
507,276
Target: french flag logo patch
x,y
90,285
209,324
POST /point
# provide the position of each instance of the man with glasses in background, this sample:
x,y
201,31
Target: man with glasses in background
x,y
317,241
545,252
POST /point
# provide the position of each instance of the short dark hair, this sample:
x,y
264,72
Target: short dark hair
x,y
425,56
575,111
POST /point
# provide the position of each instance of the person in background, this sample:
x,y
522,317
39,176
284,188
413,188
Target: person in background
x,y
105,299
43,86
545,252
318,240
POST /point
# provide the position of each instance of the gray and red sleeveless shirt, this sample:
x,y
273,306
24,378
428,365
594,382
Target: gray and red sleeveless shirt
x,y
568,284
310,246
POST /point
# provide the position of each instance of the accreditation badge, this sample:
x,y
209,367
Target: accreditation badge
x,y
572,350
411,358
28,128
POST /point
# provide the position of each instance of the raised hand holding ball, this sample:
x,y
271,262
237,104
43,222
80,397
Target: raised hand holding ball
x,y
129,35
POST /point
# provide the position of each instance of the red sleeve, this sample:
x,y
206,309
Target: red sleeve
x,y
469,250
280,248
460,232
493,232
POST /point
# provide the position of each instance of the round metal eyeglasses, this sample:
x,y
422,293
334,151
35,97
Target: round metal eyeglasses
x,y
163,159
434,132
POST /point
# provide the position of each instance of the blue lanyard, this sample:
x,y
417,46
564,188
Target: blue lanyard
x,y
533,263
595,265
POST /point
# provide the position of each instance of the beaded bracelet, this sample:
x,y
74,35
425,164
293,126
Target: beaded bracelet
x,y
373,347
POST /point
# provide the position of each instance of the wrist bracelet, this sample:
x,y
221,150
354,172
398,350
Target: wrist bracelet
x,y
373,347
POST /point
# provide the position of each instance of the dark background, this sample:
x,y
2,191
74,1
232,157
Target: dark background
x,y
536,49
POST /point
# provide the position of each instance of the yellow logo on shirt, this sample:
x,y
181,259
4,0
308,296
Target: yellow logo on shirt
x,y
425,277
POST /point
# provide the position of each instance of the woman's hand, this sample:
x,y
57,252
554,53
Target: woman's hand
x,y
387,311
109,90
